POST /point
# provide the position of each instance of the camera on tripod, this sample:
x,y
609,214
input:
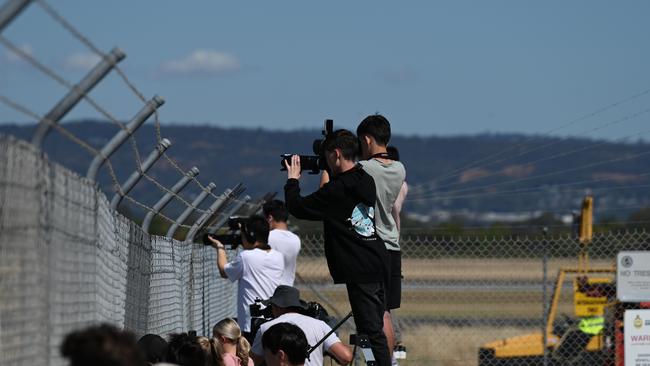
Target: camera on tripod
x,y
261,312
235,226
313,163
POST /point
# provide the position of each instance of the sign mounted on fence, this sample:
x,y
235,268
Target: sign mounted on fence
x,y
588,305
633,276
637,337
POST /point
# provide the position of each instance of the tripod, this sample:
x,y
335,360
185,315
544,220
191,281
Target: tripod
x,y
358,340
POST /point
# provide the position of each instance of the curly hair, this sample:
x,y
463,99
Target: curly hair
x,y
102,345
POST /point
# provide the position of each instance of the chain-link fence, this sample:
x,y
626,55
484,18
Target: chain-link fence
x,y
67,260
462,297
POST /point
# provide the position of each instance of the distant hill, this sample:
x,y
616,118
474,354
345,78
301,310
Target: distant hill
x,y
472,171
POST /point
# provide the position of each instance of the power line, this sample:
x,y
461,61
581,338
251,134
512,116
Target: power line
x,y
550,174
559,155
597,144
531,191
489,159
498,226
539,189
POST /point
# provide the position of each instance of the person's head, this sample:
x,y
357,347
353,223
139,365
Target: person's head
x,y
284,344
393,153
227,331
102,345
184,350
153,347
256,232
374,134
341,148
286,299
209,346
275,212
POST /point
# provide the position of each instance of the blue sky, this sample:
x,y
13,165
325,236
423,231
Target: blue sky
x,y
432,67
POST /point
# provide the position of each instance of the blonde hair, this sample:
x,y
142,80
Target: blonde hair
x,y
209,346
228,328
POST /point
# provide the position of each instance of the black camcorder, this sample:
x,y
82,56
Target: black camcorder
x,y
235,225
313,163
261,312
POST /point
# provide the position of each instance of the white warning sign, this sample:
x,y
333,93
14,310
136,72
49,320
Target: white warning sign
x,y
633,276
637,337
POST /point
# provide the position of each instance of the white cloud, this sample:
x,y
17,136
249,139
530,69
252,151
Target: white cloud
x,y
398,76
81,61
14,58
203,62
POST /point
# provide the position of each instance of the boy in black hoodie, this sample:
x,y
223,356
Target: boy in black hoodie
x,y
355,254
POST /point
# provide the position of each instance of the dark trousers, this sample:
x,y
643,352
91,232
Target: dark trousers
x,y
367,303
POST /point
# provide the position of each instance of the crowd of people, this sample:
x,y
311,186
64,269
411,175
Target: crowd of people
x,y
106,345
358,201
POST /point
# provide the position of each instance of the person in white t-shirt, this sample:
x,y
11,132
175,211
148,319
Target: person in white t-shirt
x,y
258,268
281,239
286,305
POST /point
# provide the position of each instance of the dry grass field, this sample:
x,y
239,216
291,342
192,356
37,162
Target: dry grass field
x,y
428,308
451,346
458,269
448,346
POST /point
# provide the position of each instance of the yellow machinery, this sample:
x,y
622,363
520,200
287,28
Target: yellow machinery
x,y
566,344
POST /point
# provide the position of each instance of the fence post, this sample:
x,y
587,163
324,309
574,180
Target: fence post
x,y
10,10
123,135
188,211
256,208
76,94
168,197
231,211
214,207
135,177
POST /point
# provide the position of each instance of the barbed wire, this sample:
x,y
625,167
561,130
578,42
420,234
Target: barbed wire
x,y
548,132
86,41
93,151
48,71
52,74
72,87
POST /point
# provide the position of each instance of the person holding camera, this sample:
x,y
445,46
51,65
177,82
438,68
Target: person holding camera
x,y
355,254
258,268
281,239
286,306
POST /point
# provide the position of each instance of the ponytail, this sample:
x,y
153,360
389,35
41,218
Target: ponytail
x,y
216,351
229,329
243,349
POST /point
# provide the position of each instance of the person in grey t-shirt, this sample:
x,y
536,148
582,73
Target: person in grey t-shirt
x,y
374,133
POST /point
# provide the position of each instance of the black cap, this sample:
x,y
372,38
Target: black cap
x,y
287,297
